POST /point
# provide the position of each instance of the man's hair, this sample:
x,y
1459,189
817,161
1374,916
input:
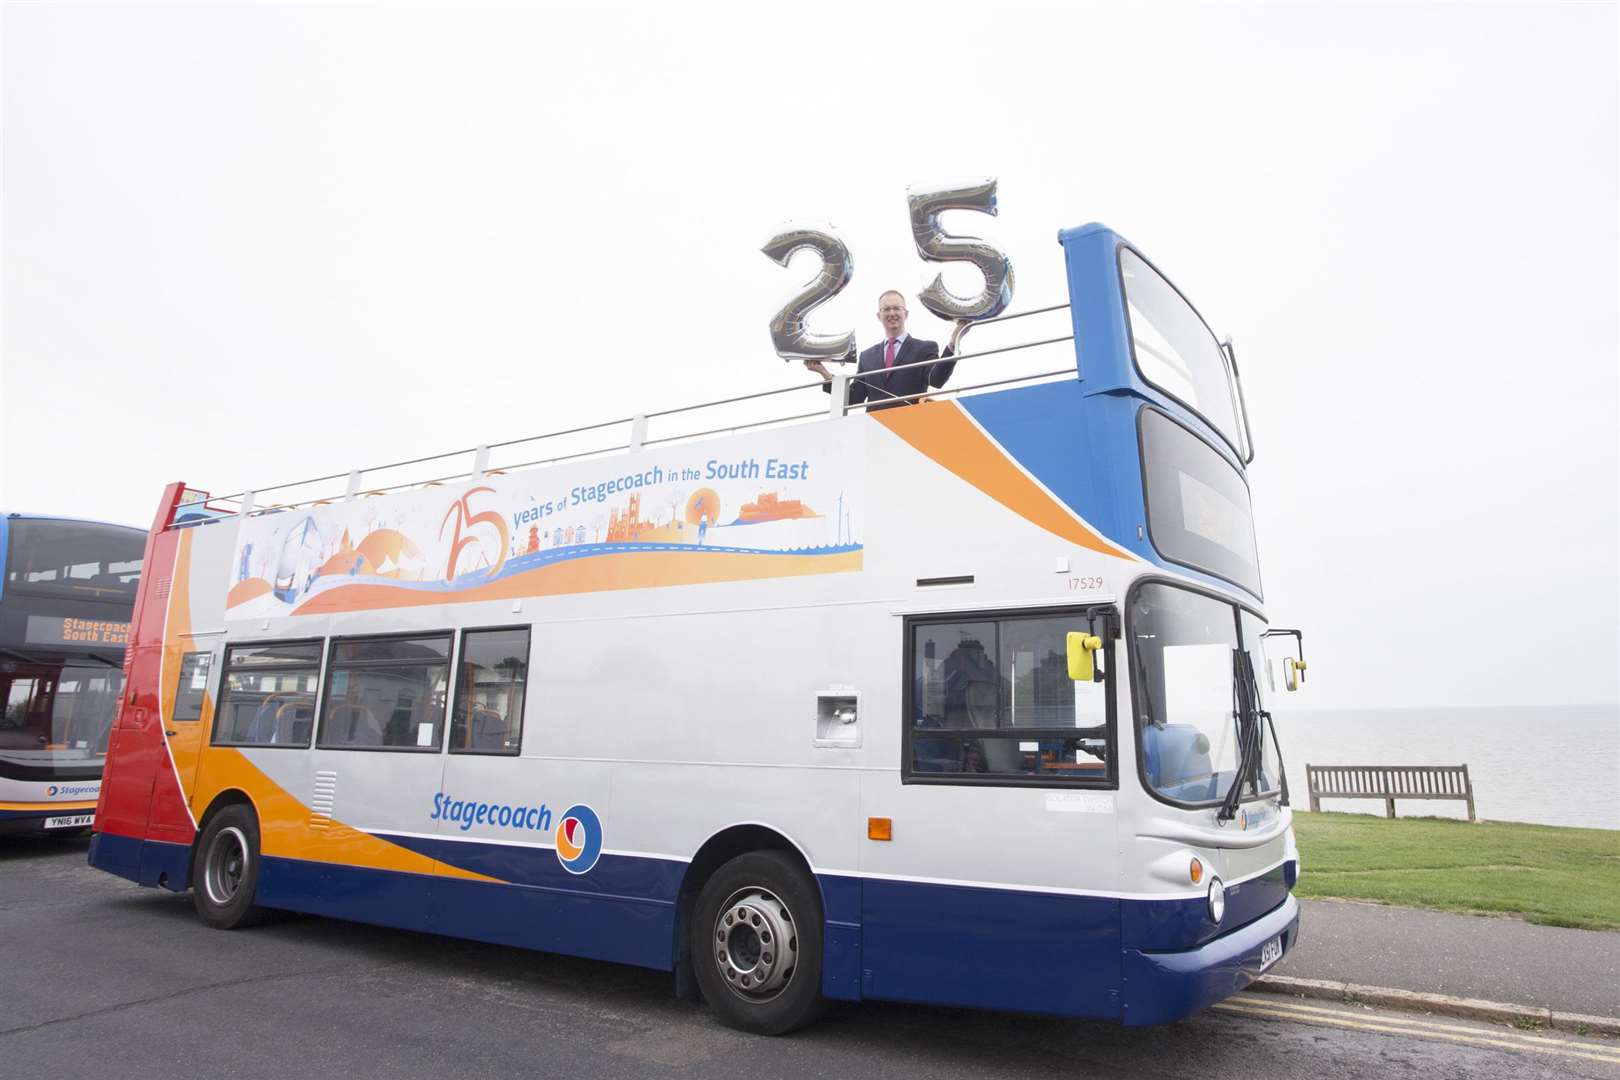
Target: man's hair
x,y
892,292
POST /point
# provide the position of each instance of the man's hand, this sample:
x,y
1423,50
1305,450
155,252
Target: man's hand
x,y
819,368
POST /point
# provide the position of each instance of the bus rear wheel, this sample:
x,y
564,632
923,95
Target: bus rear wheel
x,y
225,870
756,944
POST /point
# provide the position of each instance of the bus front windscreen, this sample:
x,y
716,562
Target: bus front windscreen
x,y
1182,646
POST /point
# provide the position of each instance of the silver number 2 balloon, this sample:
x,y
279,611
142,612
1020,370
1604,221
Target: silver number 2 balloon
x,y
936,245
788,334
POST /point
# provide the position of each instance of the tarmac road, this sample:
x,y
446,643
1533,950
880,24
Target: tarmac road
x,y
100,978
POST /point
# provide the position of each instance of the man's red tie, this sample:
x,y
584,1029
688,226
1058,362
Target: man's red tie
x,y
888,353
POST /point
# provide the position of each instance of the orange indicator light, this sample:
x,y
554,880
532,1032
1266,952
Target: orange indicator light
x,y
1196,871
879,828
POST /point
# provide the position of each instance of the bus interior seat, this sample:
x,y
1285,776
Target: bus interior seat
x,y
294,720
488,729
352,724
262,726
401,728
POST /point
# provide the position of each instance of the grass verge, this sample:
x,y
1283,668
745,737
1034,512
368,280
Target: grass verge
x,y
1543,873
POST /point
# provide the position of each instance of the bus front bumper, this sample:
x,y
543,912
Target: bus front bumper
x,y
1160,987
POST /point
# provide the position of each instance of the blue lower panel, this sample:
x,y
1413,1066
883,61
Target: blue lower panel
x,y
990,948
620,929
146,862
1174,925
613,876
1161,987
116,854
904,941
166,864
639,932
841,949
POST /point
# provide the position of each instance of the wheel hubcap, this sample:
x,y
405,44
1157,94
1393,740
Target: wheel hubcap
x,y
756,944
226,865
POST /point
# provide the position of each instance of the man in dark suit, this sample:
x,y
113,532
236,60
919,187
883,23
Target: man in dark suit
x,y
874,379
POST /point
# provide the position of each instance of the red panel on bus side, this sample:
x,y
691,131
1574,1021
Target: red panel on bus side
x,y
139,794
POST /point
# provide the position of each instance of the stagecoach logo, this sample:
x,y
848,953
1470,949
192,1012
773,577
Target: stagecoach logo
x,y
579,839
1254,819
69,791
578,834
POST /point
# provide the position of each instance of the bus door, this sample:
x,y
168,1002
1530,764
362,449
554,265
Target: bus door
x,y
377,765
188,704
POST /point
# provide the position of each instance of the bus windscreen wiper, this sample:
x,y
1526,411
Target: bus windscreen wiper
x,y
1282,771
1244,709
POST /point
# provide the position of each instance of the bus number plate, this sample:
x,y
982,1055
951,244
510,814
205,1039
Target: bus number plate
x,y
1270,953
76,821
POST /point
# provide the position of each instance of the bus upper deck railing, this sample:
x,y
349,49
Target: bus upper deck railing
x,y
197,507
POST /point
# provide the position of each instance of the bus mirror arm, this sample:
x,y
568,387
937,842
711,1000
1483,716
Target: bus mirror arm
x,y
1293,669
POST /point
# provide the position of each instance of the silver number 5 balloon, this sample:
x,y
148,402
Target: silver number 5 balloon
x,y
936,245
788,335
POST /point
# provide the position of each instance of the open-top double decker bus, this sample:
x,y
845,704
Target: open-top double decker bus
x,y
65,604
958,703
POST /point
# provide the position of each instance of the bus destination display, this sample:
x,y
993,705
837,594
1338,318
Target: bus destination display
x,y
57,630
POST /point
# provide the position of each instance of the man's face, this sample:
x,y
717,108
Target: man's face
x,y
892,314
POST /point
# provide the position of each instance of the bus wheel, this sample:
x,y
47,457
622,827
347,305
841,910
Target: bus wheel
x,y
225,871
756,944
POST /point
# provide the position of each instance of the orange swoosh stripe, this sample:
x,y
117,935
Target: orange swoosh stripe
x,y
285,832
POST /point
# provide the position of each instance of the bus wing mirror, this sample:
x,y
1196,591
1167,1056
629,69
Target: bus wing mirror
x,y
1082,662
1293,669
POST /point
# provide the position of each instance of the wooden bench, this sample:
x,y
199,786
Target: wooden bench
x,y
1390,782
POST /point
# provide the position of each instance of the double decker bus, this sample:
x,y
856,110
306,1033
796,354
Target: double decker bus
x,y
65,604
958,703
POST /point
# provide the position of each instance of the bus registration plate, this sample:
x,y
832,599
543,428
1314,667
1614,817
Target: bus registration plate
x,y
75,821
1270,953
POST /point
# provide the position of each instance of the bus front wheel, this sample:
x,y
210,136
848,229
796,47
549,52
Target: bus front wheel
x,y
756,944
225,871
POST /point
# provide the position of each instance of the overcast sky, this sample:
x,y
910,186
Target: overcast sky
x,y
244,245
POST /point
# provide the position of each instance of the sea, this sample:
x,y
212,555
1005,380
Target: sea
x,y
1548,766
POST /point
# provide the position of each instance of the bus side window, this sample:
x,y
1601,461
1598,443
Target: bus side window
x,y
191,685
386,693
991,698
491,684
267,694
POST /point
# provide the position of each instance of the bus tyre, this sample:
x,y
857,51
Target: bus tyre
x,y
756,944
225,871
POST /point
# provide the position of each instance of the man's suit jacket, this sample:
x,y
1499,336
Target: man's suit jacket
x,y
876,383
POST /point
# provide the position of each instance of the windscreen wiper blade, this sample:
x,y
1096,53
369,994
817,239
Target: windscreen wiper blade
x,y
1243,705
1282,768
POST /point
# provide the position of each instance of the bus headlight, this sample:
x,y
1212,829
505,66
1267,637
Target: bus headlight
x,y
1217,900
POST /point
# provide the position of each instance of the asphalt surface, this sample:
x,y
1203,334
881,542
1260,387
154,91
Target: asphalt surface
x,y
100,978
1474,956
